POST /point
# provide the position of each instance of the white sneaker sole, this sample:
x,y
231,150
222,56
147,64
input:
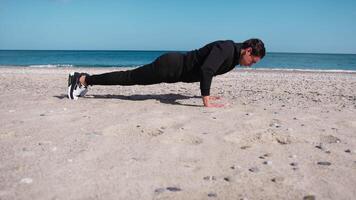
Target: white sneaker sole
x,y
74,97
70,89
83,93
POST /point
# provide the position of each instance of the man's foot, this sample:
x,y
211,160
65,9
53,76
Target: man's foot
x,y
75,88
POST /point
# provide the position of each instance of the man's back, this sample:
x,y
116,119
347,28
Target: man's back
x,y
214,58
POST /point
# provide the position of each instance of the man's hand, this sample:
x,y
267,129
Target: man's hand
x,y
214,98
206,101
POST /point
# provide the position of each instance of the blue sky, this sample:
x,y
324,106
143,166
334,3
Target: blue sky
x,y
316,26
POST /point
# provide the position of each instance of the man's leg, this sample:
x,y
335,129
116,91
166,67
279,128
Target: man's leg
x,y
143,75
166,68
78,82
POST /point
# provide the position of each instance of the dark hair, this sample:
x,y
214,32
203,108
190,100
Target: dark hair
x,y
258,48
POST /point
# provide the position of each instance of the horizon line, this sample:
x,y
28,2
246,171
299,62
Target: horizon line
x,y
286,52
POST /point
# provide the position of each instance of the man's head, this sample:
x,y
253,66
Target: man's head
x,y
252,51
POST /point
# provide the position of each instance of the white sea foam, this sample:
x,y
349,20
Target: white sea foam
x,y
302,70
49,66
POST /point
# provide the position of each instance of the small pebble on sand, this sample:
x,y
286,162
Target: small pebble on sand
x,y
274,124
26,180
267,154
323,148
277,179
174,189
348,151
209,178
309,197
227,179
212,195
267,162
294,164
159,190
253,169
324,163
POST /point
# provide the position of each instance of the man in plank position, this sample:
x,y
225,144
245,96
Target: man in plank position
x,y
199,65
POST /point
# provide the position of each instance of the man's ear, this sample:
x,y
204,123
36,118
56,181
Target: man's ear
x,y
249,50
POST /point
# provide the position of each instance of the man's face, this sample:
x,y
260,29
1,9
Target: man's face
x,y
247,59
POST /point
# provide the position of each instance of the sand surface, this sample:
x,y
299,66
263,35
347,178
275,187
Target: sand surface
x,y
284,135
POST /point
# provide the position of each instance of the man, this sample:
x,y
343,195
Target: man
x,y
198,65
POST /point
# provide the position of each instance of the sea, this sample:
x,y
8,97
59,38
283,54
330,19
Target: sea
x,y
86,58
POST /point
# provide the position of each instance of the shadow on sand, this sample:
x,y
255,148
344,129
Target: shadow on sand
x,y
163,98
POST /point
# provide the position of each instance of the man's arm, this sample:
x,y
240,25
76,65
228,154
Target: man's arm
x,y
211,64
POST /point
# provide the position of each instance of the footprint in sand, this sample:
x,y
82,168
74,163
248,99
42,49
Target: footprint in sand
x,y
233,138
182,138
132,130
283,138
275,123
243,139
111,131
329,139
155,132
267,136
188,139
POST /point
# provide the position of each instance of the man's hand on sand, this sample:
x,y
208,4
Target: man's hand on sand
x,y
214,105
207,99
214,98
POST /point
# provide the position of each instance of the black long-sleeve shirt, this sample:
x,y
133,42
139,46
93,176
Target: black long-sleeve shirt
x,y
213,59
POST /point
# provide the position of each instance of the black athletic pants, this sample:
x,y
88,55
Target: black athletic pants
x,y
166,68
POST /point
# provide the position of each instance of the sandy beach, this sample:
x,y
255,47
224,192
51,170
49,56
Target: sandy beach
x,y
283,135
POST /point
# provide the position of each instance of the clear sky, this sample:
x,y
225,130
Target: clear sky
x,y
316,26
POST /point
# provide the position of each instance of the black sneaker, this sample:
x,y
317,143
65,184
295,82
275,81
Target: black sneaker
x,y
75,88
